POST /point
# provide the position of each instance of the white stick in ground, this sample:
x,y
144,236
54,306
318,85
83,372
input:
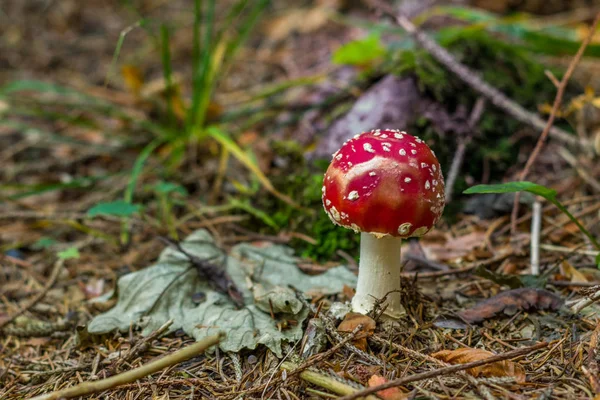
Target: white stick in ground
x,y
536,226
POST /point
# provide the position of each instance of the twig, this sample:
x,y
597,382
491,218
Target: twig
x,y
327,382
86,388
469,378
548,126
51,281
536,226
463,142
473,79
446,370
587,301
303,366
140,347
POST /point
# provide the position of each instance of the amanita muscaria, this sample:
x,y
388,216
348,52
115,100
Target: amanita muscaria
x,y
388,185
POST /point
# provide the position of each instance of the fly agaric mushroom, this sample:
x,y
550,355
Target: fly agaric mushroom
x,y
388,185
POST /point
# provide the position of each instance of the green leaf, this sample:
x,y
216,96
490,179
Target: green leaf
x,y
117,208
359,52
598,260
71,252
512,187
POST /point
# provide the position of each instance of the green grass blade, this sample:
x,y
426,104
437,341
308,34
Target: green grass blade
x,y
138,167
117,51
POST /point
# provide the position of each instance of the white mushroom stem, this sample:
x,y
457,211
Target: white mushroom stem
x,y
378,274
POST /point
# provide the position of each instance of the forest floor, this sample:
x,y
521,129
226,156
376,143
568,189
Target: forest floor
x,y
122,135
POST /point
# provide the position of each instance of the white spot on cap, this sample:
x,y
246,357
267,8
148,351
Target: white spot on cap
x,y
407,180
353,195
413,145
323,189
398,135
372,173
413,151
338,157
384,136
424,165
327,202
427,185
418,140
334,214
368,148
355,228
386,146
404,228
402,152
350,164
433,167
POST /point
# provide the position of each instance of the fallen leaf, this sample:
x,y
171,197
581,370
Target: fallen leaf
x,y
572,273
467,355
351,321
453,247
166,290
133,78
510,302
386,394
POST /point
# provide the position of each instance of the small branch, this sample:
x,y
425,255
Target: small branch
x,y
35,299
140,347
536,226
463,142
548,126
447,370
473,79
335,385
587,301
86,388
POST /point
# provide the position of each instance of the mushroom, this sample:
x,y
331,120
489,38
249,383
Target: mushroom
x,y
388,185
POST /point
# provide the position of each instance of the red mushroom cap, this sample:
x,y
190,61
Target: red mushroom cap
x,y
385,182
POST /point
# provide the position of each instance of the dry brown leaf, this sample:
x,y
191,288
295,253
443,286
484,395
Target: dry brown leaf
x,y
466,355
572,273
302,20
386,394
455,247
510,302
351,321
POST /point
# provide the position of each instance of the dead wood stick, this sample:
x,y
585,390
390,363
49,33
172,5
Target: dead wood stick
x,y
35,299
549,124
463,142
473,79
444,371
86,388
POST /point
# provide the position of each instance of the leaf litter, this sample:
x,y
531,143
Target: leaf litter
x,y
263,275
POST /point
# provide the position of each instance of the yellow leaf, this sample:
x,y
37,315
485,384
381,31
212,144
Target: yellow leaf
x,y
133,78
499,368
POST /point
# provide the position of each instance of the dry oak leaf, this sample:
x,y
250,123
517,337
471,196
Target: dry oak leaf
x,y
393,393
351,321
499,368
